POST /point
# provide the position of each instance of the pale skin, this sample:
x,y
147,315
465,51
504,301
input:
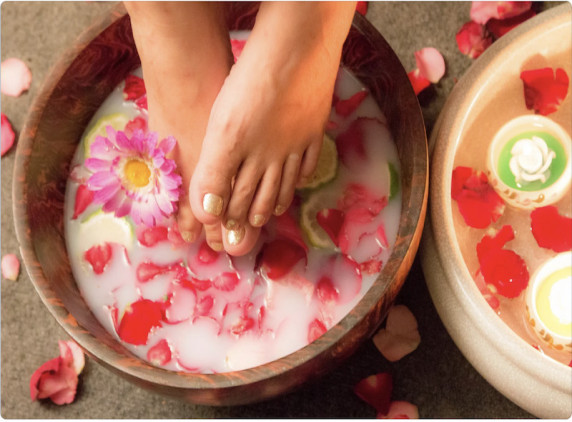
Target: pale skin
x,y
247,133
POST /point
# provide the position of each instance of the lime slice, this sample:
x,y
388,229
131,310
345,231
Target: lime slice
x,y
116,120
327,166
393,180
101,227
315,233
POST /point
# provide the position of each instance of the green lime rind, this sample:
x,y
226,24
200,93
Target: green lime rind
x,y
393,180
101,226
315,234
116,120
327,166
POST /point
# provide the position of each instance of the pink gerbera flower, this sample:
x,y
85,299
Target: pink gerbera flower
x,y
132,176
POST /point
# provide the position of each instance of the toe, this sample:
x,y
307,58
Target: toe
x,y
189,227
213,236
240,241
290,173
309,161
211,183
242,194
264,200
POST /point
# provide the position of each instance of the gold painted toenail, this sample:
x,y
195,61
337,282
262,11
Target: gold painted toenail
x,y
258,220
279,209
212,204
188,237
231,224
234,237
216,246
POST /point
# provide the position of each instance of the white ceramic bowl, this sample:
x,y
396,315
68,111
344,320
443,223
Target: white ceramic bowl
x,y
530,379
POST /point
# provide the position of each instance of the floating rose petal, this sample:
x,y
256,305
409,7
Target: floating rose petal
x,y
237,46
351,142
138,123
400,335
10,267
544,89
482,11
430,63
502,268
150,236
160,353
376,390
478,202
280,256
15,77
361,7
473,39
400,410
288,228
499,27
346,107
98,257
57,378
8,135
134,90
226,281
83,197
138,320
315,330
331,220
146,271
550,229
418,81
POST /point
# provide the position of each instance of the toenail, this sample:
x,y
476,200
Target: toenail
x,y
258,220
231,224
212,204
216,246
279,209
234,237
188,237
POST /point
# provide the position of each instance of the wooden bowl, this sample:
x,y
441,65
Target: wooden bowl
x,y
489,95
101,58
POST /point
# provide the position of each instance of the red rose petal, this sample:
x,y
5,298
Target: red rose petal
x,y
98,257
473,39
226,281
8,135
134,88
430,63
204,305
83,198
502,268
478,202
52,365
10,267
280,256
237,46
482,11
72,355
181,303
361,7
499,27
15,77
350,143
376,391
138,320
400,410
288,228
326,292
138,123
550,229
150,236
331,220
148,270
418,81
160,354
346,107
315,330
544,89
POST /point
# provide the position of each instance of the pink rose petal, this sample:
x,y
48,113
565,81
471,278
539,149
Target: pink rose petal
x,y
10,267
15,77
418,81
473,39
482,11
400,410
8,135
430,63
72,355
400,335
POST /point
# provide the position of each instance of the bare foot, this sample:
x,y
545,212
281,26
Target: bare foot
x,y
266,126
185,55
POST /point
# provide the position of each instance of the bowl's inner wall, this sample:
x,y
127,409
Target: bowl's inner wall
x,y
60,117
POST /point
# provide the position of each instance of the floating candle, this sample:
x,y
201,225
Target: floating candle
x,y
529,161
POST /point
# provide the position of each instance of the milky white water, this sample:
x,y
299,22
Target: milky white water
x,y
211,329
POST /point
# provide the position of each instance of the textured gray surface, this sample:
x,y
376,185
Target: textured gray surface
x,y
436,377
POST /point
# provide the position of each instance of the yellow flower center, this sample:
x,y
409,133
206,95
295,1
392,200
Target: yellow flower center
x,y
137,172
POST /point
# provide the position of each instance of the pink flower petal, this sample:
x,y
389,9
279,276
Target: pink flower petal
x,y
418,81
237,46
10,267
8,135
376,391
430,63
15,77
473,39
400,335
72,355
482,11
400,410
